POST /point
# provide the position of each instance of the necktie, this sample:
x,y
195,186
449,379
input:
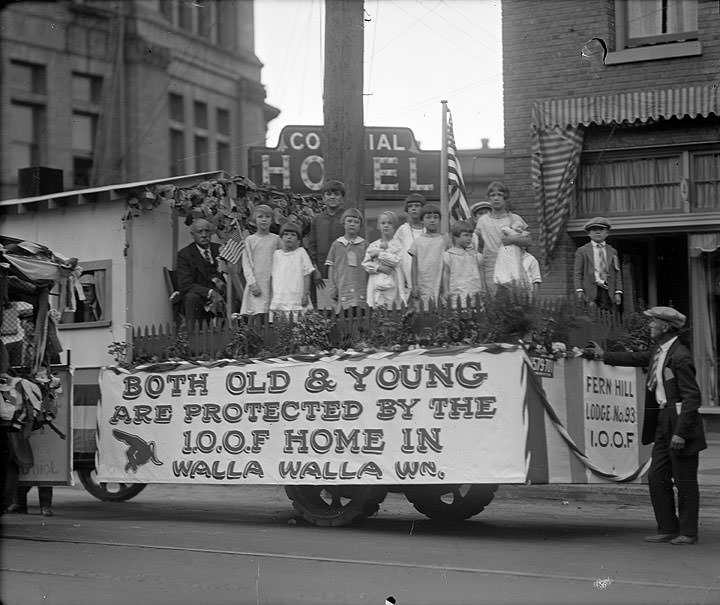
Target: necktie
x,y
206,254
652,374
602,268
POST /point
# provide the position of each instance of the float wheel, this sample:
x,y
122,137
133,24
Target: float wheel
x,y
335,505
108,492
452,502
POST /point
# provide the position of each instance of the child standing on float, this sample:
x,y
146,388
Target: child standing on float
x,y
427,257
382,262
291,270
492,228
347,279
461,267
406,234
257,263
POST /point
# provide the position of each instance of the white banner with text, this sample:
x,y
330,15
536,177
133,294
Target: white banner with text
x,y
385,418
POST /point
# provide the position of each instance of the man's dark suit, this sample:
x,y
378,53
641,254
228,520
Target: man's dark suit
x,y
584,272
670,465
195,277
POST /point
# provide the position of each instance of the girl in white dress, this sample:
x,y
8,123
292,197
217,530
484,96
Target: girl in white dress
x,y
382,262
291,270
257,263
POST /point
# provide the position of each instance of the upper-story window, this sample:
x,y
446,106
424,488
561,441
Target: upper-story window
x,y
657,21
646,30
196,16
27,84
27,77
86,94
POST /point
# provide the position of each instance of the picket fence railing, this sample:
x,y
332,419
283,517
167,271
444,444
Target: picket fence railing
x,y
211,340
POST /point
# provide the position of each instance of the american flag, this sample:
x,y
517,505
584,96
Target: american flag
x,y
233,248
457,204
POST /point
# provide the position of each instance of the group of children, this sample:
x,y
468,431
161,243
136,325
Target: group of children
x,y
414,261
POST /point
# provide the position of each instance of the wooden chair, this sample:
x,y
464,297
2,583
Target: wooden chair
x,y
173,289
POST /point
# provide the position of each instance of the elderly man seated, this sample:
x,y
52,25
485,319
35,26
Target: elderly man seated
x,y
201,284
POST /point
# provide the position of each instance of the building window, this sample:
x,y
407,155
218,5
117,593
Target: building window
x,y
684,180
176,107
83,144
222,121
177,152
94,308
27,77
205,18
185,17
166,9
201,154
24,136
222,139
706,180
86,89
201,115
648,22
223,156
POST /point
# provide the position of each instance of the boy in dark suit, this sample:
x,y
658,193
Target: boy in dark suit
x,y
597,276
201,284
672,423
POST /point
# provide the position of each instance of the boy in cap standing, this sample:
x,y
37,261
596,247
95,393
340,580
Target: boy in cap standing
x,y
672,423
597,276
325,228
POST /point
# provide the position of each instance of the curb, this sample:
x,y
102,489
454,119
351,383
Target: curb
x,y
596,493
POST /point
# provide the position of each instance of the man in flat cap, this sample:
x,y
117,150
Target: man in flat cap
x,y
596,274
672,423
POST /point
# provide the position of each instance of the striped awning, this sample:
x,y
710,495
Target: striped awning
x,y
629,107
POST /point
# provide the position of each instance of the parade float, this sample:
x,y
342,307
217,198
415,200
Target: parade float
x,y
340,428
339,411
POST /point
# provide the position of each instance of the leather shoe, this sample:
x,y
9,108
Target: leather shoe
x,y
657,538
46,511
684,540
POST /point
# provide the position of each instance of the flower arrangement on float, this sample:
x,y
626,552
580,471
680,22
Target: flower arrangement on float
x,y
227,203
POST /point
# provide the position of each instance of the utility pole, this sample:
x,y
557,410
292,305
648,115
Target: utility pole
x,y
343,97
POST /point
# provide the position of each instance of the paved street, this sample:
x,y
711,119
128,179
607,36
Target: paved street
x,y
174,544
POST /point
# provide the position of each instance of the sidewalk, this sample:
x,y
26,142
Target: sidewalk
x,y
708,477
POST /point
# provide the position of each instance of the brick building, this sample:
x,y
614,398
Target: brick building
x,y
111,92
635,139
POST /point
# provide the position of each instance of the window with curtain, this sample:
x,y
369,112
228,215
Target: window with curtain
x,y
645,22
646,182
86,302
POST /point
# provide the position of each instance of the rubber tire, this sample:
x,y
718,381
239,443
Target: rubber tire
x,y
450,502
125,491
311,503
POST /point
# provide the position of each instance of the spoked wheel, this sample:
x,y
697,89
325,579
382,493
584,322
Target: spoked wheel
x,y
108,492
335,505
450,502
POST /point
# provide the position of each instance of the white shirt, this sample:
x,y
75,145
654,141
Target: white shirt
x,y
660,386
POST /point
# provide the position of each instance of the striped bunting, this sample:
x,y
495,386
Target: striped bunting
x,y
553,169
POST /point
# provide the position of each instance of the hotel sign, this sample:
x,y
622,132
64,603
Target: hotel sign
x,y
394,166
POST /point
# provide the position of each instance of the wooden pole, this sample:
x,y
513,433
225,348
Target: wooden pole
x,y
343,98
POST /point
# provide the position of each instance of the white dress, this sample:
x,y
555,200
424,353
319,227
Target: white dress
x,y
257,267
383,289
406,235
288,272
